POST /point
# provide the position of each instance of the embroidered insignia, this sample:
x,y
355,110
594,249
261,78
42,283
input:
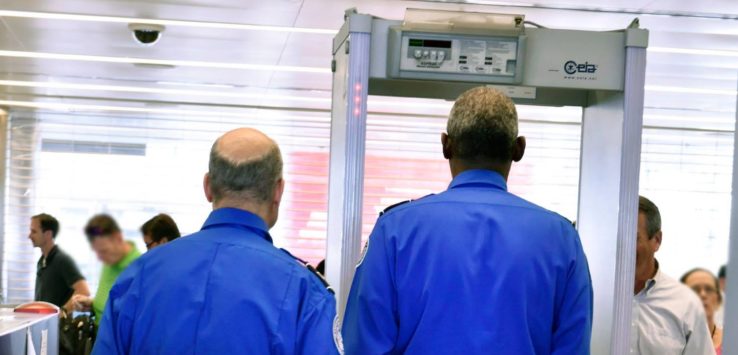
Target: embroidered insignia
x,y
363,253
337,337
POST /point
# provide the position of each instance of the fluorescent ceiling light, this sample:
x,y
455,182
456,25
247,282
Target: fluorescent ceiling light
x,y
139,89
72,107
161,62
702,120
207,93
711,52
126,20
198,85
677,89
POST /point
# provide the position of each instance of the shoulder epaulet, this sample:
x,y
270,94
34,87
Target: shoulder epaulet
x,y
574,224
312,270
393,206
400,204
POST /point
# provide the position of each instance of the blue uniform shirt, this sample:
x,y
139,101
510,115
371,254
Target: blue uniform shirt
x,y
473,270
223,290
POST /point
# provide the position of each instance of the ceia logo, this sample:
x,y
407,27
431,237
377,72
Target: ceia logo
x,y
571,67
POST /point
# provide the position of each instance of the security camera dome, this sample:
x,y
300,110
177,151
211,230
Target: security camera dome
x,y
146,34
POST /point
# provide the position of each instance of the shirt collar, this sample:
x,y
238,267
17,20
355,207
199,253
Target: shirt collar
x,y
479,177
128,258
45,260
52,253
651,283
235,216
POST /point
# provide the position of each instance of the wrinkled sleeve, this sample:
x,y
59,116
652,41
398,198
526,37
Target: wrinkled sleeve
x,y
114,333
699,340
573,318
370,323
318,333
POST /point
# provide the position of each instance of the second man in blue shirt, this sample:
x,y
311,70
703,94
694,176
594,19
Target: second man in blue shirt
x,y
475,269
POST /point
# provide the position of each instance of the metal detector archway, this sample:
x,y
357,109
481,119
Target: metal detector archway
x,y
433,54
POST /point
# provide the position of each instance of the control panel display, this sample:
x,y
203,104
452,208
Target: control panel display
x,y
496,57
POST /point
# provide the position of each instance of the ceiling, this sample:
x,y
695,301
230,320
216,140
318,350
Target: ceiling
x,y
277,53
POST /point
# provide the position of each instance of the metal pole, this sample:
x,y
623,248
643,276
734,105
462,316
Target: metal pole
x,y
3,173
348,135
630,167
730,334
608,207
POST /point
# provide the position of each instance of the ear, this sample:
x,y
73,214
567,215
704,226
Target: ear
x,y
206,188
278,192
657,240
48,234
518,149
447,148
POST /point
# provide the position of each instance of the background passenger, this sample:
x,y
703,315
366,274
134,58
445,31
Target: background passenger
x,y
116,253
57,275
159,230
707,287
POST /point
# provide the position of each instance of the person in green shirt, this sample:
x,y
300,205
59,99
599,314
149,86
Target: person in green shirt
x,y
106,239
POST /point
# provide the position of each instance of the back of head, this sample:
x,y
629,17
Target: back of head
x,y
47,223
653,216
483,124
101,225
245,165
161,226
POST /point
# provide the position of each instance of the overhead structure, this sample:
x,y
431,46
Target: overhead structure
x,y
440,54
730,333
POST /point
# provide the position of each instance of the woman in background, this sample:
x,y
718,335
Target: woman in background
x,y
707,287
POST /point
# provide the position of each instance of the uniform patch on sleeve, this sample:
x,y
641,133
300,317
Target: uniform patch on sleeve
x,y
337,337
363,253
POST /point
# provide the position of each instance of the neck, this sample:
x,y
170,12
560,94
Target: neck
x,y
125,249
46,248
260,209
643,273
459,166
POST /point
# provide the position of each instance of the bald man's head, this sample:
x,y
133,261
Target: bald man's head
x,y
245,164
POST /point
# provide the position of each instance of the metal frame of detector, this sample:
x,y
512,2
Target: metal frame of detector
x,y
610,148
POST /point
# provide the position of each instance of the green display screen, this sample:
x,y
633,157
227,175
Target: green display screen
x,y
415,42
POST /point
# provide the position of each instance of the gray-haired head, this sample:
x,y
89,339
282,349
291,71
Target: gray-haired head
x,y
653,216
245,165
483,124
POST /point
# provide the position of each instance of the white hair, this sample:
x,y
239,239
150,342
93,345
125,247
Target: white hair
x,y
483,123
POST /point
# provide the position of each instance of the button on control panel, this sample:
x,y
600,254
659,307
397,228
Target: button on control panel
x,y
429,53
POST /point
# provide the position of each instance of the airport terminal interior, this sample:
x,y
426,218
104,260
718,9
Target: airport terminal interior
x,y
111,106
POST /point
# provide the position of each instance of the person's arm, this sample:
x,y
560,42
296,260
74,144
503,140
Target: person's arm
x,y
699,340
73,279
370,324
80,288
572,329
317,333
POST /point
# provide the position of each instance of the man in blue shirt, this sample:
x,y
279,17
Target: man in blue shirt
x,y
475,269
225,289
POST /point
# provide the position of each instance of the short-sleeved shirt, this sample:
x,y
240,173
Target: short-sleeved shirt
x,y
223,290
108,276
56,275
473,270
668,319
